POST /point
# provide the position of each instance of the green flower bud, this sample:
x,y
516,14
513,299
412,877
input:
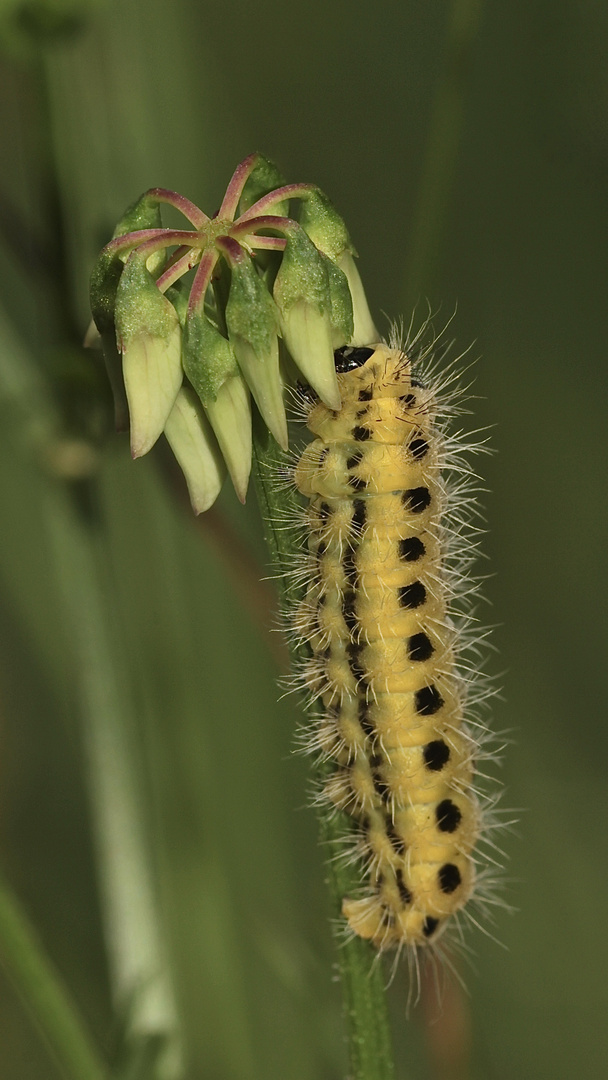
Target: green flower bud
x,y
342,322
328,232
211,366
191,438
364,331
251,318
149,336
142,214
207,356
263,179
323,224
303,296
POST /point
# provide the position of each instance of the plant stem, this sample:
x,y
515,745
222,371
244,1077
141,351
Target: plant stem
x,y
187,258
236,185
288,191
189,209
363,983
44,995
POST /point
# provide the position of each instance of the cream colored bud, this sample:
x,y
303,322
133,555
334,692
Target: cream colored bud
x,y
230,417
264,379
364,332
148,334
191,439
308,336
152,370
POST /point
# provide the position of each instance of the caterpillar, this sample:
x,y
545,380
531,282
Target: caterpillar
x,y
385,616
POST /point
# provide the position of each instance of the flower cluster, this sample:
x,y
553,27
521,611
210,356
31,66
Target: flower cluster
x,y
194,321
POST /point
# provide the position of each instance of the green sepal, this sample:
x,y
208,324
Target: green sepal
x,y
302,274
263,179
178,294
250,312
207,356
342,319
140,306
252,322
142,214
323,224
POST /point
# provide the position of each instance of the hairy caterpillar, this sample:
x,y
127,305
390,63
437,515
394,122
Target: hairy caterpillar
x,y
389,547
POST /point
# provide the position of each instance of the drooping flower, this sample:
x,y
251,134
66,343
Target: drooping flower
x,y
185,357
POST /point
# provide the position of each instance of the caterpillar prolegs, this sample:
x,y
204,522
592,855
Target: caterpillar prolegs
x,y
388,554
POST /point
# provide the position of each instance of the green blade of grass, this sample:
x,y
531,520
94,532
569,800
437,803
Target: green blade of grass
x,y
44,995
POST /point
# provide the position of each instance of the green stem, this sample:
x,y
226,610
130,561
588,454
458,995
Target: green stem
x,y
152,240
44,995
189,209
442,146
288,191
236,185
178,267
363,981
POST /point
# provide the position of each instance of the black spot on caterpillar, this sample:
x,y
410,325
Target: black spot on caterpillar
x,y
386,629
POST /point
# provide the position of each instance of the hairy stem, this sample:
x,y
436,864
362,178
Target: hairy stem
x,y
363,982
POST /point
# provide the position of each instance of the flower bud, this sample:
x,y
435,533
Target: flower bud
x,y
230,417
211,366
142,214
263,179
251,318
342,324
149,336
323,224
364,331
328,232
302,293
191,439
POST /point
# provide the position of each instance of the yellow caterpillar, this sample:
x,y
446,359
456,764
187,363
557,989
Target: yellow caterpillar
x,y
386,558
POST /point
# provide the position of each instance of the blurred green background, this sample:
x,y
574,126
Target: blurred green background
x,y
466,146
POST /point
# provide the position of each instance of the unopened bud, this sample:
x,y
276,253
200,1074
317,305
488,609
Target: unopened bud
x,y
191,439
302,293
364,331
230,416
149,336
211,366
142,214
263,179
323,224
251,318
